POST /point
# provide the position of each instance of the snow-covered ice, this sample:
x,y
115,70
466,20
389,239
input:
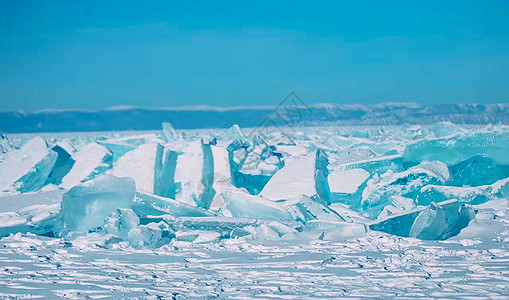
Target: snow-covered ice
x,y
327,211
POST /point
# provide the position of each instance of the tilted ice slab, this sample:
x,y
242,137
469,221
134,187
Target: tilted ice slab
x,y
91,160
62,166
85,207
303,176
28,168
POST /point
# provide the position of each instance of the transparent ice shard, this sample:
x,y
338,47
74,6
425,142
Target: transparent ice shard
x,y
303,176
452,150
169,133
90,161
430,224
235,133
85,207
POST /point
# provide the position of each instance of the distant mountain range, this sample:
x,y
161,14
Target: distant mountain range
x,y
131,118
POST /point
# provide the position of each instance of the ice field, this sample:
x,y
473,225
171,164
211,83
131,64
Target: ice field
x,y
325,211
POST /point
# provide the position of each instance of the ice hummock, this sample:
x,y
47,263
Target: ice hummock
x,y
28,168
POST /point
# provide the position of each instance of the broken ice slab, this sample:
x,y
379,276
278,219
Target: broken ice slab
x,y
379,190
477,170
28,168
85,207
169,133
62,166
454,149
436,221
346,185
146,204
90,161
302,176
244,205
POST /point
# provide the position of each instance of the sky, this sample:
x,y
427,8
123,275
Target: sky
x,y
96,54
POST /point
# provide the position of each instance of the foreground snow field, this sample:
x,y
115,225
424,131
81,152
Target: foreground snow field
x,y
325,212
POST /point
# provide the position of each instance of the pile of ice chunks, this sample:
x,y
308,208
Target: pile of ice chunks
x,y
330,183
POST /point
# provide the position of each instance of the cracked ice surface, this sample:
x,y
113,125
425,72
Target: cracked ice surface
x,y
393,211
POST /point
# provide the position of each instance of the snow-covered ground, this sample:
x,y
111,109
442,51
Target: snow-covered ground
x,y
311,212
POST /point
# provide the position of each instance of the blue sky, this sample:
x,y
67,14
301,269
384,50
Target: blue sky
x,y
93,54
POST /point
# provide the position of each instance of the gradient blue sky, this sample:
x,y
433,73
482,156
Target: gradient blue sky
x,y
93,54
